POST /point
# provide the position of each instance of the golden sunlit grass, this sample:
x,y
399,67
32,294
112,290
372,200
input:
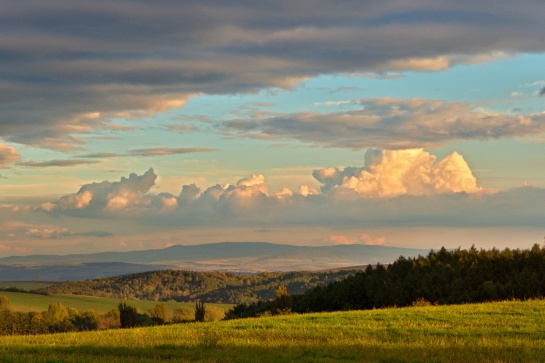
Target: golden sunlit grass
x,y
492,332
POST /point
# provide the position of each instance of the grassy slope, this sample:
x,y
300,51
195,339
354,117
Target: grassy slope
x,y
493,332
33,302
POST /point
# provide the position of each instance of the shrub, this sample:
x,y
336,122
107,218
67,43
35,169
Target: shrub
x,y
213,313
159,314
182,315
4,302
422,302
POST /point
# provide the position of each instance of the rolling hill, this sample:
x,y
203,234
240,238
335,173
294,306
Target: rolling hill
x,y
223,256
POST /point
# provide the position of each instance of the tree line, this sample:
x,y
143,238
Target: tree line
x,y
59,318
442,277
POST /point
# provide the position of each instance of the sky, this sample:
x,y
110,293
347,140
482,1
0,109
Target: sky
x,y
129,125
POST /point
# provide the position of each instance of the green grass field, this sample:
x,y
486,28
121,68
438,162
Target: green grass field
x,y
25,285
493,332
33,302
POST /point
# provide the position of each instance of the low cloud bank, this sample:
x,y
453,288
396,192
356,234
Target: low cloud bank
x,y
393,188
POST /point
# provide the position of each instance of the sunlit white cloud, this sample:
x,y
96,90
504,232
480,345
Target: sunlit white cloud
x,y
393,188
124,196
391,173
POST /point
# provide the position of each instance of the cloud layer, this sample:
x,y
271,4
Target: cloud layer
x,y
13,230
68,67
394,188
389,123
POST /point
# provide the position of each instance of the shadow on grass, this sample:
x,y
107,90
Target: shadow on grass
x,y
228,353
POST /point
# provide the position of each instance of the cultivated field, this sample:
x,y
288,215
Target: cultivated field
x,y
492,332
33,302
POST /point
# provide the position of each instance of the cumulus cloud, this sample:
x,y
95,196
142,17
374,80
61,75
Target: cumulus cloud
x,y
8,155
393,188
147,58
123,196
389,123
248,205
391,173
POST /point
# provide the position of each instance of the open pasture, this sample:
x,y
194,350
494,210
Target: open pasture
x,y
33,302
491,332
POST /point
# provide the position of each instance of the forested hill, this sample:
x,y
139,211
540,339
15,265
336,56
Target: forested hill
x,y
443,277
182,285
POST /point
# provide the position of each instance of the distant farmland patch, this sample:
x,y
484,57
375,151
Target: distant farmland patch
x,y
32,302
25,285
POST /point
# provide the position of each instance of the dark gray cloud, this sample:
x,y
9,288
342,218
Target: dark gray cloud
x,y
101,155
62,163
68,66
542,91
388,123
100,234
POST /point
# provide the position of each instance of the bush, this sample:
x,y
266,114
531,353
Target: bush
x,y
110,320
182,315
159,314
213,313
4,302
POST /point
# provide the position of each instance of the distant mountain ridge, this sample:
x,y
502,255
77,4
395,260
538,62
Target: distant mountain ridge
x,y
221,256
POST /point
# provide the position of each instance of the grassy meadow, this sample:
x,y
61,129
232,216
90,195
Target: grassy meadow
x,y
491,332
33,302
